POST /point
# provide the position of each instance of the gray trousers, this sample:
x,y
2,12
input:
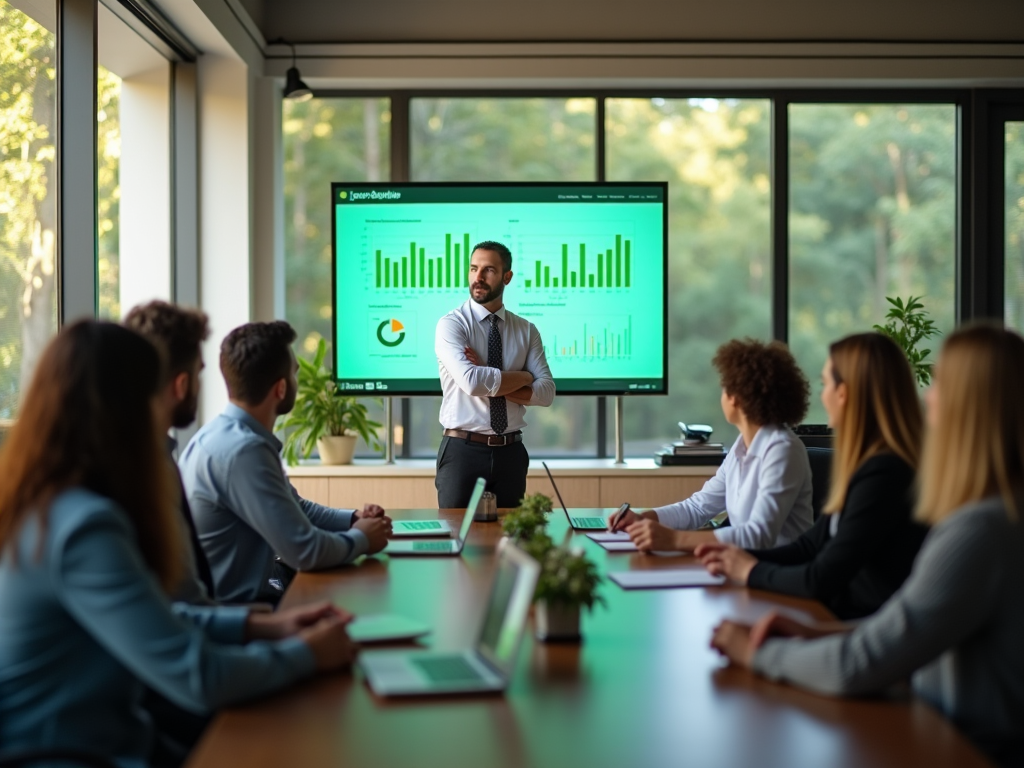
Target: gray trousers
x,y
460,462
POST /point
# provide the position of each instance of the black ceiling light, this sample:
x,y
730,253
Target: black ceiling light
x,y
294,88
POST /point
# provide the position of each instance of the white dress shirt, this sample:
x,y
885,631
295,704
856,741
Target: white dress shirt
x,y
765,488
466,386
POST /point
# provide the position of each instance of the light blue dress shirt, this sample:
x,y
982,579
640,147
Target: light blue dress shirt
x,y
766,489
84,624
246,511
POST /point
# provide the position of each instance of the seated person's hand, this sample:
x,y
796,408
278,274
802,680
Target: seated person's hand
x,y
650,535
376,530
733,640
775,624
522,396
371,510
623,521
472,356
329,641
275,626
727,560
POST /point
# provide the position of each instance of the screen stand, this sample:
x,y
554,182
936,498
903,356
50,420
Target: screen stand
x,y
389,428
619,458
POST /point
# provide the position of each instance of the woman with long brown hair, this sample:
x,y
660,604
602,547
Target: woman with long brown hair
x,y
957,624
88,550
861,550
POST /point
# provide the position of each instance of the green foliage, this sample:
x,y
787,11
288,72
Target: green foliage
x,y
567,578
529,518
320,410
908,325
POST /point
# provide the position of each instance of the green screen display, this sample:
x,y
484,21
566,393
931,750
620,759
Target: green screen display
x,y
588,270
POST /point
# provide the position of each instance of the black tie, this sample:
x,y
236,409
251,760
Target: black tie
x,y
499,411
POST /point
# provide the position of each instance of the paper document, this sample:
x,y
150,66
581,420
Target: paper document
x,y
600,538
684,577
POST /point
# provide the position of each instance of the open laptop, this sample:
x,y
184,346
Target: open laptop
x,y
594,521
449,547
487,666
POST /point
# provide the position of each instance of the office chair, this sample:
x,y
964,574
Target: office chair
x,y
821,477
65,756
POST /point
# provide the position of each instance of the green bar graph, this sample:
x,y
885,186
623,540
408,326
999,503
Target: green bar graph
x,y
614,339
448,260
450,269
627,263
528,282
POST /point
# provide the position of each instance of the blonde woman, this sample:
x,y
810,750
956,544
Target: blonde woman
x,y
957,625
861,550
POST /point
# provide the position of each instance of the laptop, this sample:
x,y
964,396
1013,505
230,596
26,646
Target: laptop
x,y
407,528
449,547
580,522
488,666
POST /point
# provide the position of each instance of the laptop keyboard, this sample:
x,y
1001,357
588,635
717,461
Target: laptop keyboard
x,y
587,522
421,525
448,669
432,546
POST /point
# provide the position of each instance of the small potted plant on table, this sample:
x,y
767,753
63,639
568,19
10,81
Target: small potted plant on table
x,y
568,579
324,418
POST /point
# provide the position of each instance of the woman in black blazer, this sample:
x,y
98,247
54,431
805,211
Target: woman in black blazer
x,y
861,550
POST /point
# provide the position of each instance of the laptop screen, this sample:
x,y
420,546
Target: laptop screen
x,y
515,579
474,502
557,493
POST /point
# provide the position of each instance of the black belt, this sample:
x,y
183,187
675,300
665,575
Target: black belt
x,y
494,441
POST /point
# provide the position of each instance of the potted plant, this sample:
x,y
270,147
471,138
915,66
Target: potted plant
x,y
324,418
908,324
568,580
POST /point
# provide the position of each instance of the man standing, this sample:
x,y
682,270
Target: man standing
x,y
492,366
245,509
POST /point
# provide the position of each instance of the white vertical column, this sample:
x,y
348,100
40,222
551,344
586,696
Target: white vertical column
x,y
225,254
145,178
268,202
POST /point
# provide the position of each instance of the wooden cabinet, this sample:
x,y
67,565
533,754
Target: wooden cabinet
x,y
583,483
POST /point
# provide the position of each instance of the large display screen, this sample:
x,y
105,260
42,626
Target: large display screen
x,y
588,263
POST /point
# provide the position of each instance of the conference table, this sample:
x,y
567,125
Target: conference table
x,y
643,688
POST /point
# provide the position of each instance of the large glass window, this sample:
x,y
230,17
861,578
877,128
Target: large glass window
x,y
28,293
1014,224
325,140
715,155
133,113
872,214
507,139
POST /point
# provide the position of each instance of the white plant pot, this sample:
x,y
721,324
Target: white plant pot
x,y
337,449
556,622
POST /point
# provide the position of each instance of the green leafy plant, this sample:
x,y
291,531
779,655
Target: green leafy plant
x,y
321,411
528,518
567,577
908,324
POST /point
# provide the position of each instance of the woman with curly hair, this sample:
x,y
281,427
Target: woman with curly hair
x,y
844,560
765,481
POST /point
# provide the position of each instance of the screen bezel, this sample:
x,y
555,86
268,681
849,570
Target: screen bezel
x,y
662,389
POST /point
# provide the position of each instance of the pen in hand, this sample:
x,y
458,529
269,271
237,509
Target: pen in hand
x,y
617,518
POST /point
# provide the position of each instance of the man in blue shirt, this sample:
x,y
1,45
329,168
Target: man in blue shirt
x,y
245,510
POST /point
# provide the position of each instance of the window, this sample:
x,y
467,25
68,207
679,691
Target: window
x,y
133,113
28,292
507,139
715,154
872,214
1014,225
325,140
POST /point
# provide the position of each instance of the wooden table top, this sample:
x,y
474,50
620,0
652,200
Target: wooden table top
x,y
642,689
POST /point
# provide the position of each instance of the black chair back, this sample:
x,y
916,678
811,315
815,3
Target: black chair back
x,y
821,477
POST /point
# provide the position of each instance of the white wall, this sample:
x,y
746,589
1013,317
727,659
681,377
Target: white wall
x,y
225,272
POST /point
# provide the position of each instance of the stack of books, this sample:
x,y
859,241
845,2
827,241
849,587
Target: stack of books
x,y
686,452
